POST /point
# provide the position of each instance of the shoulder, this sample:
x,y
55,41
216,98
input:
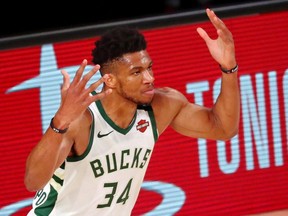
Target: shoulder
x,y
168,95
166,104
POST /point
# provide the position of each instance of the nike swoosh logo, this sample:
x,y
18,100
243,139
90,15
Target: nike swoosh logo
x,y
99,135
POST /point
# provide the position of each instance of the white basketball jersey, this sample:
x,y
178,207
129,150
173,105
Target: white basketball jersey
x,y
106,179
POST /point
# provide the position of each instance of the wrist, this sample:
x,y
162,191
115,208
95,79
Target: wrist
x,y
58,127
230,70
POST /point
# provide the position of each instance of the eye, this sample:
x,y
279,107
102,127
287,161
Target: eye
x,y
137,72
149,69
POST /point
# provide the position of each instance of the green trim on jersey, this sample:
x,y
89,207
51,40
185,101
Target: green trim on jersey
x,y
149,109
153,122
80,157
47,207
57,179
62,165
111,123
124,131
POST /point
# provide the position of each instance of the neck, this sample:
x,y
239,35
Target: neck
x,y
120,112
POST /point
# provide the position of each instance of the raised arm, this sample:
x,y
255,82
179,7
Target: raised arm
x,y
222,49
222,120
54,146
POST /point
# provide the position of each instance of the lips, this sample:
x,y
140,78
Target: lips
x,y
149,91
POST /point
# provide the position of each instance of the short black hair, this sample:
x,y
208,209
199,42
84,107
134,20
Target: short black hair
x,y
117,42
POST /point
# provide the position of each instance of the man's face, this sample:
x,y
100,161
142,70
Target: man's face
x,y
135,80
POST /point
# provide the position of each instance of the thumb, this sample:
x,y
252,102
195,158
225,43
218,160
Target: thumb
x,y
66,80
203,34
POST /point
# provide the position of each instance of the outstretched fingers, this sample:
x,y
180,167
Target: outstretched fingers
x,y
222,30
216,21
221,48
203,34
80,81
66,80
101,95
85,79
78,75
94,86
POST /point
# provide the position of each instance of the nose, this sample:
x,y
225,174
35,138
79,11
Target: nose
x,y
148,77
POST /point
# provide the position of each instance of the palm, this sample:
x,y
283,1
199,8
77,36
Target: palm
x,y
75,97
222,48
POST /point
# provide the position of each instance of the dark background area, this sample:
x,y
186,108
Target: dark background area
x,y
19,18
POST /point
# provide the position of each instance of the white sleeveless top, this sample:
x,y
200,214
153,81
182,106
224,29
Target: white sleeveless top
x,y
106,179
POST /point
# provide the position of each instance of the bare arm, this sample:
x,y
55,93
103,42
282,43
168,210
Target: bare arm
x,y
44,158
222,120
53,147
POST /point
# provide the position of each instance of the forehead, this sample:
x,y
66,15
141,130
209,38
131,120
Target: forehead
x,y
136,59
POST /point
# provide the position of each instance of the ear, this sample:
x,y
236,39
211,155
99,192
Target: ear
x,y
111,81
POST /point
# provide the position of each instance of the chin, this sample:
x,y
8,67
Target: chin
x,y
145,103
142,101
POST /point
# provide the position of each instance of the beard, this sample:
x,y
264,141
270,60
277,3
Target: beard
x,y
130,97
141,102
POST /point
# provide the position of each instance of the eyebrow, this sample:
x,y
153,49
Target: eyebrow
x,y
139,67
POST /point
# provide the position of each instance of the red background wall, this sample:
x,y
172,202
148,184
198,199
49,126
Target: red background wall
x,y
180,57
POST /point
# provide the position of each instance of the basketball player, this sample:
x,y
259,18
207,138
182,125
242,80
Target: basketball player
x,y
93,157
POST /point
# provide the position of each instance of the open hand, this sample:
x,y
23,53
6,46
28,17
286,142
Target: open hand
x,y
75,96
222,49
